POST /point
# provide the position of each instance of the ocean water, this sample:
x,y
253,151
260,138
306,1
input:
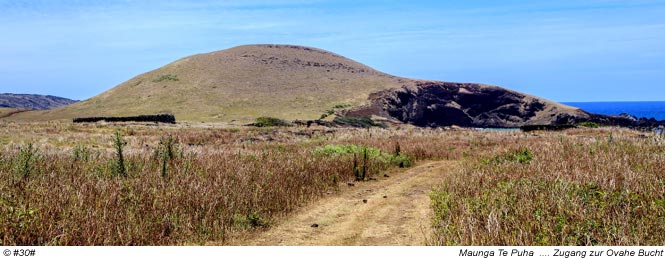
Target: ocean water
x,y
648,109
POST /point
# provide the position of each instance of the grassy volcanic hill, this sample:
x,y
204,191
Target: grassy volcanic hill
x,y
240,83
295,82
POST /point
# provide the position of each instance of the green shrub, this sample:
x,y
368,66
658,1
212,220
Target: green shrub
x,y
401,160
266,121
251,220
371,152
356,168
362,170
362,155
81,153
522,155
333,149
589,124
332,111
328,113
364,122
119,165
25,162
168,77
167,148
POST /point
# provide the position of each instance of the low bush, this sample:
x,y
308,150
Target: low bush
x,y
270,121
372,153
589,124
168,77
521,155
364,122
529,128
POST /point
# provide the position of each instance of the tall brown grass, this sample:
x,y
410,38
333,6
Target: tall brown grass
x,y
600,188
62,184
192,185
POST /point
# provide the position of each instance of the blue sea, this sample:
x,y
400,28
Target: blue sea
x,y
648,109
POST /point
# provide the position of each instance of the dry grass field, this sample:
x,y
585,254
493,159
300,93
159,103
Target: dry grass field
x,y
128,184
601,187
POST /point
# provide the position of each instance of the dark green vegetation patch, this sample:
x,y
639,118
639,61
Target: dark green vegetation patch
x,y
529,128
364,122
522,155
589,124
168,77
267,121
371,153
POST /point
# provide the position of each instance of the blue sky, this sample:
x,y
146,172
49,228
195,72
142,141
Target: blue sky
x,y
595,50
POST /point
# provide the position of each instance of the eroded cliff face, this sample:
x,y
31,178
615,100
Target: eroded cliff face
x,y
434,104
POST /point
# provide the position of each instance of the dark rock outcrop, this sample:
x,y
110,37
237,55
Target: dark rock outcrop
x,y
33,102
629,121
437,104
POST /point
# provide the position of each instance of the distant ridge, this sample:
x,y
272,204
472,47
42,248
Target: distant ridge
x,y
297,82
33,102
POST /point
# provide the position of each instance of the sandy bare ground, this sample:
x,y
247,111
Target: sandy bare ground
x,y
397,212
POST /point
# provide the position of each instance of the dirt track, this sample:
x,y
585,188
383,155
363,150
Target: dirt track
x,y
403,217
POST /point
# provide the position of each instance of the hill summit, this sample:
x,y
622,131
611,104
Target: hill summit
x,y
296,82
